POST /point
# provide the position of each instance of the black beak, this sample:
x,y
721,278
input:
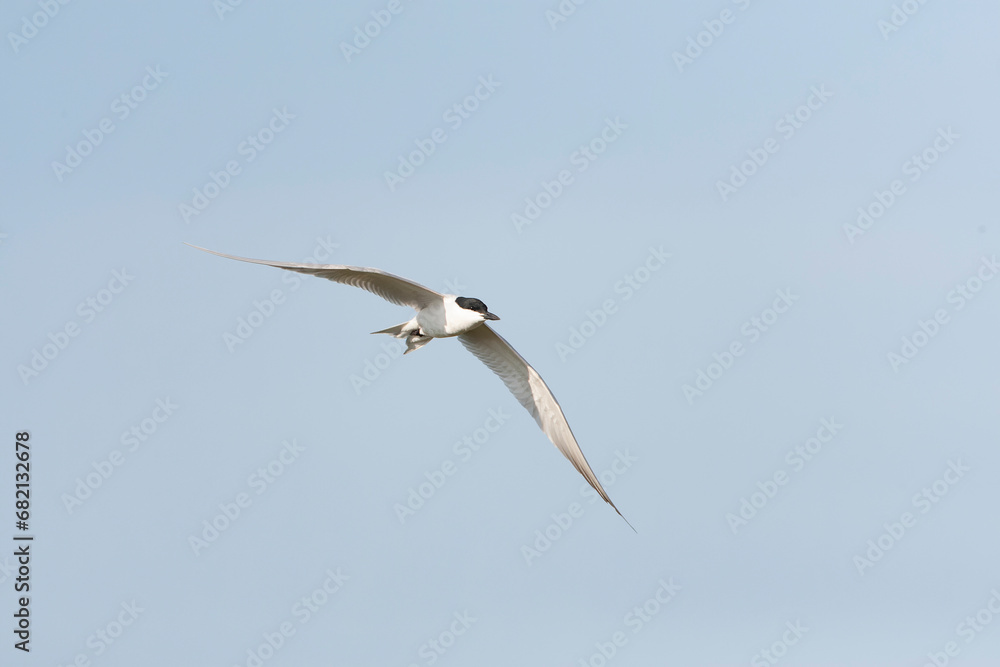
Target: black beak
x,y
490,316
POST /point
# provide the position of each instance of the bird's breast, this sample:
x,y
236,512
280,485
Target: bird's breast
x,y
447,319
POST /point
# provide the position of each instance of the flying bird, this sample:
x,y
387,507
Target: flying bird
x,y
447,316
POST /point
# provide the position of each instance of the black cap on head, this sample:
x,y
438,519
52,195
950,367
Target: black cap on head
x,y
475,305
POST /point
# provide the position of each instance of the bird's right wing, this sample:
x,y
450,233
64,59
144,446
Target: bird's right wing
x,y
394,289
532,392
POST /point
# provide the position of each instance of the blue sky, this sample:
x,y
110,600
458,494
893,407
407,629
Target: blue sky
x,y
750,246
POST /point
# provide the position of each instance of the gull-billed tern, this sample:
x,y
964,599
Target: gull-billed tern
x,y
446,316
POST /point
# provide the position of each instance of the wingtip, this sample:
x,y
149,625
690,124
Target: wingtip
x,y
222,254
198,247
622,516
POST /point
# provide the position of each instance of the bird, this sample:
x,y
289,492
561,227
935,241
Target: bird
x,y
448,316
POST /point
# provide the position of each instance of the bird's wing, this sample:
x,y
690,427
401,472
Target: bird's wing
x,y
399,291
531,392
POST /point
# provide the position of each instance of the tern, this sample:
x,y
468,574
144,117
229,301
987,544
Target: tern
x,y
447,316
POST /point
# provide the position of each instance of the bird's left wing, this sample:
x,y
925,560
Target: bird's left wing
x,y
394,289
531,392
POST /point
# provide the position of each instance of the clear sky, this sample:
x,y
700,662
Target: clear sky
x,y
751,247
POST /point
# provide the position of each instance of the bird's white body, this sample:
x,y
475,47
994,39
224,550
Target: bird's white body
x,y
445,319
445,316
440,316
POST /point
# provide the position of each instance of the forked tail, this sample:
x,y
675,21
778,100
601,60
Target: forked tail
x,y
396,331
411,332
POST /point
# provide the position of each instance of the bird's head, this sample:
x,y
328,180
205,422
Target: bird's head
x,y
475,305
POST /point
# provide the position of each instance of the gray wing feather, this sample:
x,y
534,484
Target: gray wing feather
x,y
394,289
531,391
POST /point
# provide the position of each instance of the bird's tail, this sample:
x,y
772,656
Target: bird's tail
x,y
396,331
411,332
